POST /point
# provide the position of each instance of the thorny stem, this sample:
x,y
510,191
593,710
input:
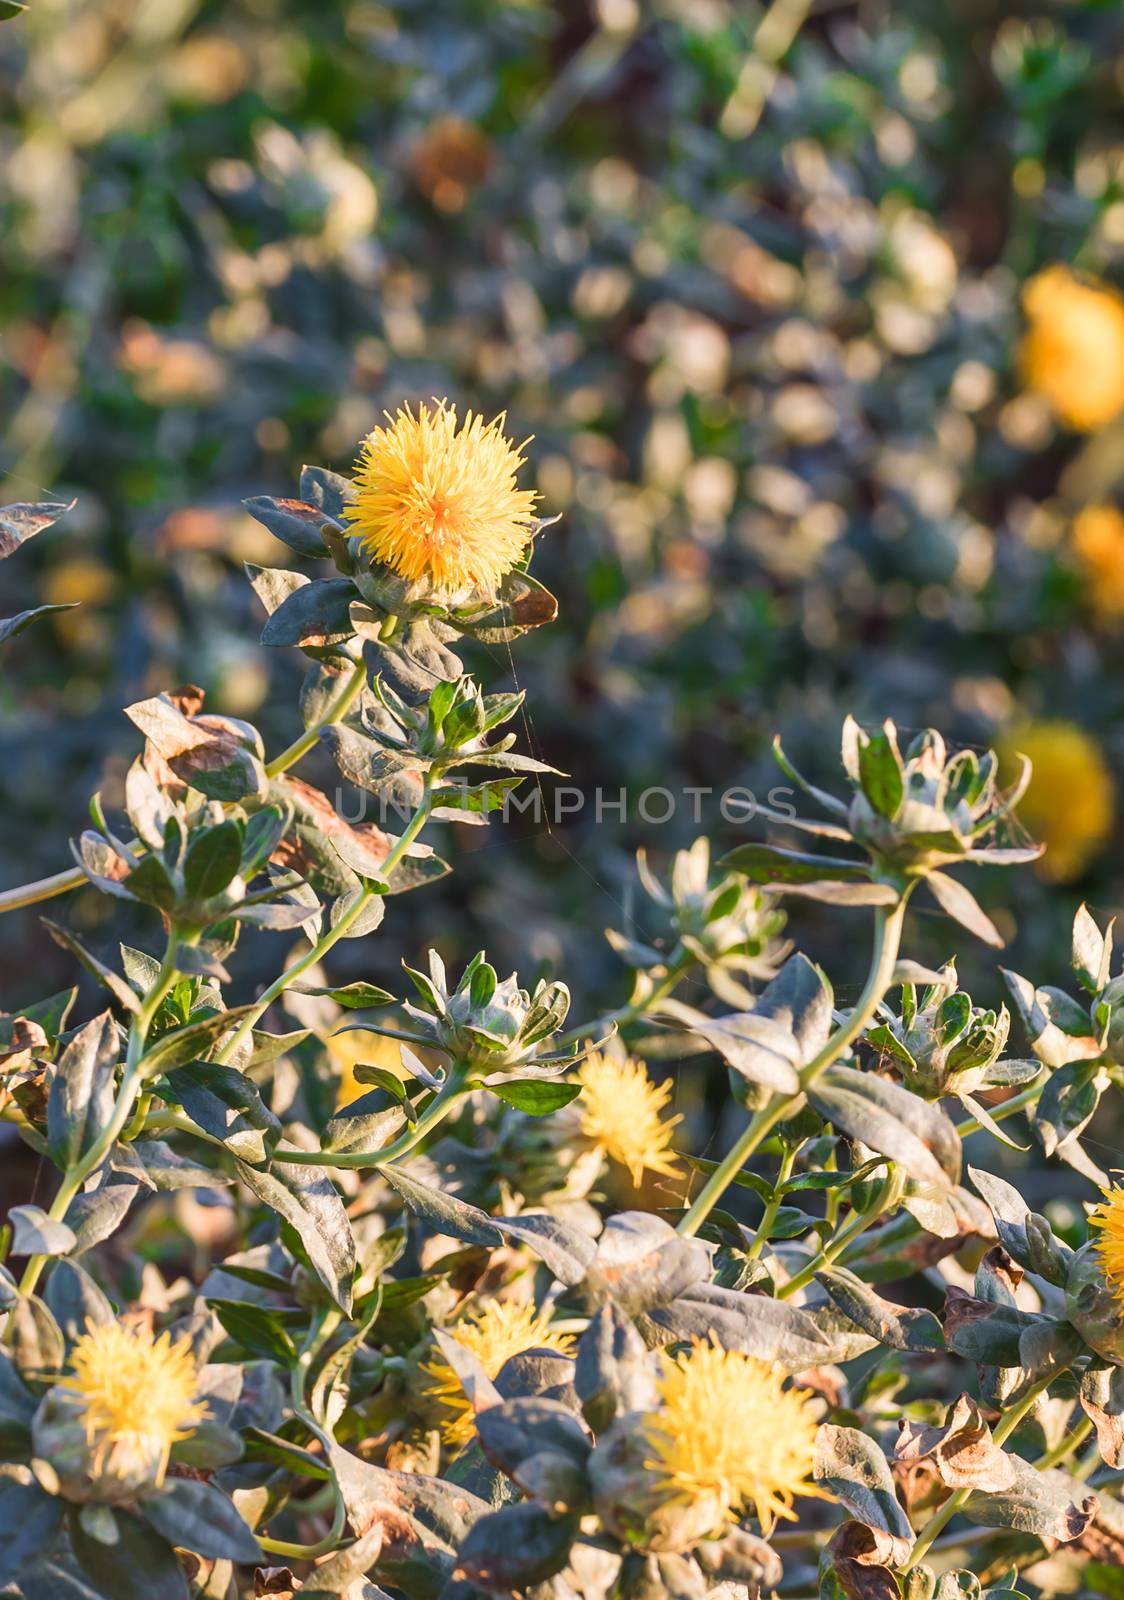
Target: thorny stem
x,y
131,1080
887,939
942,1517
30,894
334,935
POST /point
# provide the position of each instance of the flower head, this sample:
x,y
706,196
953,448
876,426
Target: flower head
x,y
1073,351
1068,804
440,504
1098,542
499,1330
621,1111
727,1432
137,1397
1107,1224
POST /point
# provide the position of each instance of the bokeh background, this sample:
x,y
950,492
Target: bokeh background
x,y
810,312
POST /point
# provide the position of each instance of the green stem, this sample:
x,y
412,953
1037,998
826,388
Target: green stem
x,y
453,1090
887,939
336,712
334,935
1026,1097
678,963
318,1335
131,1080
30,894
942,1517
769,1215
1072,1441
832,1251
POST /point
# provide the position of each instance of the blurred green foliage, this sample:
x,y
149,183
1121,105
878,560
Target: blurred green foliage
x,y
752,279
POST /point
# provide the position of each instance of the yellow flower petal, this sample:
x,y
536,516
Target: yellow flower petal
x,y
728,1432
621,1111
1069,803
438,503
137,1391
499,1330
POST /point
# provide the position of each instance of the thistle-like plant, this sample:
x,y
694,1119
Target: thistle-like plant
x,y
427,1356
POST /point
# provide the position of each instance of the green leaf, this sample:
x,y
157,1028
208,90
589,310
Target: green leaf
x,y
191,1042
197,1516
306,1199
10,626
213,860
141,1565
23,519
117,986
483,985
880,772
294,522
850,1466
565,1249
257,1329
768,863
1049,1504
353,996
538,1097
29,1521
425,1521
75,1300
279,1452
82,1092
961,905
900,1327
34,1338
34,1233
226,1104
316,613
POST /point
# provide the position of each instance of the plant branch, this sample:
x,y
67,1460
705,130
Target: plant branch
x,y
887,940
334,935
128,1089
453,1090
336,712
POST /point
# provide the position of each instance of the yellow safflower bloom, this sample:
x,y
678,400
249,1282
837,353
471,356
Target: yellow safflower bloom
x,y
729,1433
1098,541
621,1111
440,504
1107,1223
1069,803
1073,350
137,1394
499,1330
